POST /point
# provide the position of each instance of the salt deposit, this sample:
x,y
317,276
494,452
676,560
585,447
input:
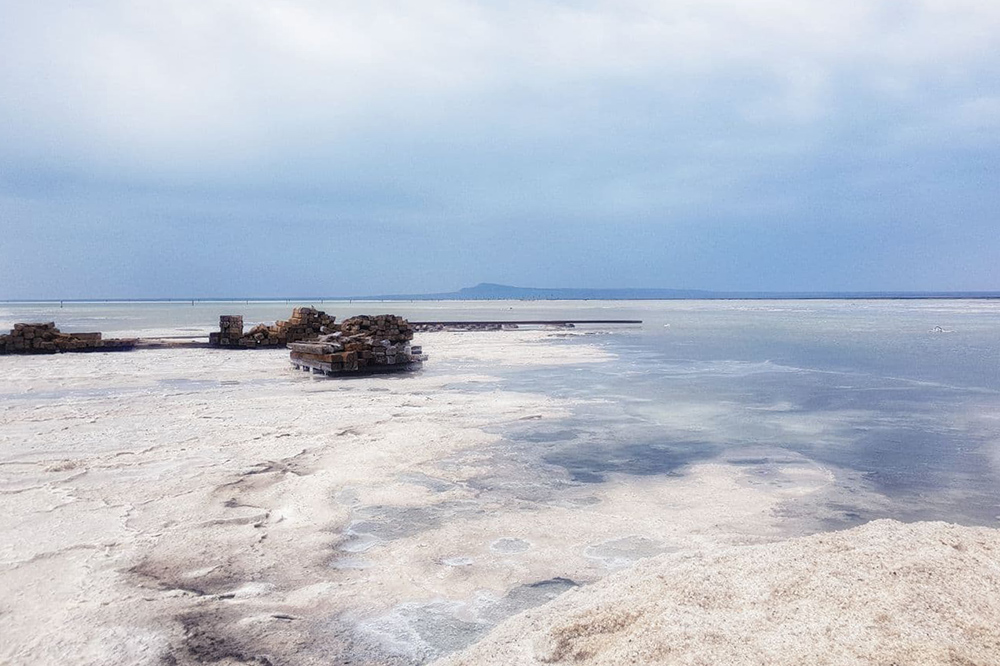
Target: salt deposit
x,y
206,506
883,593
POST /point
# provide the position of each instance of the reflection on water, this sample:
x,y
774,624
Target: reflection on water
x,y
874,391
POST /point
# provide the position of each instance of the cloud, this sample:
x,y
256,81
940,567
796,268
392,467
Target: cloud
x,y
471,114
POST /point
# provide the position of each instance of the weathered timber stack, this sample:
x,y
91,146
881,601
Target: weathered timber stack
x,y
304,324
230,331
45,338
379,339
363,344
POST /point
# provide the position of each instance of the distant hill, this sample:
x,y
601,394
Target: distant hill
x,y
487,291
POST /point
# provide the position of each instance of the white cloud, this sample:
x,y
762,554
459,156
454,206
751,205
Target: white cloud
x,y
173,72
519,108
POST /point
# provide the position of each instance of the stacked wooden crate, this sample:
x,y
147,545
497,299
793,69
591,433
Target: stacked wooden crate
x,y
45,338
363,344
230,331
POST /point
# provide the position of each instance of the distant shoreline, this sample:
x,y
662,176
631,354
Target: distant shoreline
x,y
916,296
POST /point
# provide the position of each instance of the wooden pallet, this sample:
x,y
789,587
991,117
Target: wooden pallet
x,y
337,370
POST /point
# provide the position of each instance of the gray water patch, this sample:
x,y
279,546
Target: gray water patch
x,y
599,438
544,462
847,503
513,471
771,465
386,523
926,450
527,486
617,553
510,545
925,446
592,462
358,538
523,597
542,434
846,515
424,631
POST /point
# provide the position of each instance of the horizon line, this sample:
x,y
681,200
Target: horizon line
x,y
705,295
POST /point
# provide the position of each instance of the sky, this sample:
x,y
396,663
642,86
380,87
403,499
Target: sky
x,y
223,148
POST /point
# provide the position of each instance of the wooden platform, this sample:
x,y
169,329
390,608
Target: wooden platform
x,y
322,368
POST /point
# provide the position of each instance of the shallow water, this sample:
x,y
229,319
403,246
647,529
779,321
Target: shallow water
x,y
900,397
905,393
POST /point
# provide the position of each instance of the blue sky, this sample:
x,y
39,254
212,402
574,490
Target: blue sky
x,y
223,148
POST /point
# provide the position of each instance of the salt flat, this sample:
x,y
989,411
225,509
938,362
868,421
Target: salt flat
x,y
208,506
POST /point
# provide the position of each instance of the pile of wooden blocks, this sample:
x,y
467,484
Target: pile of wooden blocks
x,y
363,344
230,331
304,324
45,338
